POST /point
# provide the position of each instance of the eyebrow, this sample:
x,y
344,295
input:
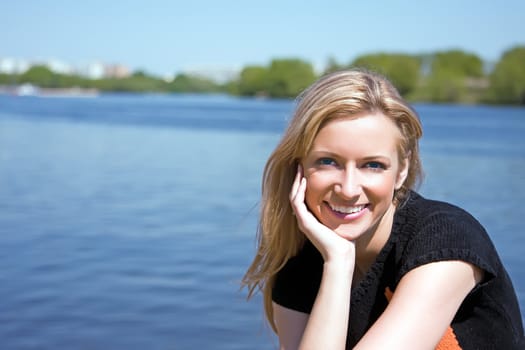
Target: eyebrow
x,y
336,155
375,157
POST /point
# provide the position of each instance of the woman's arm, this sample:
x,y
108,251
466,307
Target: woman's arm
x,y
327,325
421,309
423,306
290,326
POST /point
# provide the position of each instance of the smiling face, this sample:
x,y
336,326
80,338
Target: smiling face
x,y
352,171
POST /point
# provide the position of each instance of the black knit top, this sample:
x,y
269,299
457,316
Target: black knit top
x,y
424,231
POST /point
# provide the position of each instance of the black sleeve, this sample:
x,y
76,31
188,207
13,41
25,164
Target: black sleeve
x,y
449,233
297,283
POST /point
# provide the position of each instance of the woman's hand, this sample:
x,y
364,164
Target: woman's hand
x,y
326,326
331,246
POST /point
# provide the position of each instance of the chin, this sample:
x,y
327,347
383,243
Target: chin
x,y
348,234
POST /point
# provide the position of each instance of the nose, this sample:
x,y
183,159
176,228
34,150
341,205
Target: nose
x,y
348,185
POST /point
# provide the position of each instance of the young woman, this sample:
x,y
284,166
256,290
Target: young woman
x,y
349,256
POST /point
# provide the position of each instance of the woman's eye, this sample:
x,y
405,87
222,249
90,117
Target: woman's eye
x,y
375,165
326,161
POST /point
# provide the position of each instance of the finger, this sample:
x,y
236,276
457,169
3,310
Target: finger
x,y
301,190
304,216
296,184
297,196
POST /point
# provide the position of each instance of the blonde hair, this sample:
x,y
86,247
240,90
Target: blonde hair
x,y
337,95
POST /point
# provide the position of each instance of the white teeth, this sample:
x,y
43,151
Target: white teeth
x,y
347,210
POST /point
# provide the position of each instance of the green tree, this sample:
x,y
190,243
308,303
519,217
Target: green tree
x,y
402,69
445,86
459,63
453,77
138,82
191,83
288,77
39,75
139,74
8,79
69,80
507,80
253,80
230,87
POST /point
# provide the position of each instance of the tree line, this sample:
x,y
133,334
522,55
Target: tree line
x,y
452,76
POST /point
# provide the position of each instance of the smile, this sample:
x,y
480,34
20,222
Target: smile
x,y
347,210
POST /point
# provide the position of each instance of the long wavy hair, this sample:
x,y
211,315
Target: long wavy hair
x,y
337,95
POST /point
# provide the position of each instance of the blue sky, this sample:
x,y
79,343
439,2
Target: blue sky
x,y
165,37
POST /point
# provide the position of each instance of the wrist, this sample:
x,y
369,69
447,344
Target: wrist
x,y
340,266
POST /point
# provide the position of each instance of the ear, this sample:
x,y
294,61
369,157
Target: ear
x,y
403,172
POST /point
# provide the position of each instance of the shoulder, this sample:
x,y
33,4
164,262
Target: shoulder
x,y
420,210
430,231
441,220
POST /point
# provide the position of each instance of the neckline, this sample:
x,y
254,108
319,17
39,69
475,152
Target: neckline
x,y
370,276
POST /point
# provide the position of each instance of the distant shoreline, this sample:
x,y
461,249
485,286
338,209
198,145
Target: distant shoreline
x,y
33,90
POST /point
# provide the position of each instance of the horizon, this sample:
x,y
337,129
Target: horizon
x,y
164,38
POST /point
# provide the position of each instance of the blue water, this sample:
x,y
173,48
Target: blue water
x,y
127,221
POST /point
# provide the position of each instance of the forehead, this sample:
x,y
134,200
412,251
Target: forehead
x,y
367,122
365,131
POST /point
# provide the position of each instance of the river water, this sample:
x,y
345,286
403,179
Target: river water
x,y
127,221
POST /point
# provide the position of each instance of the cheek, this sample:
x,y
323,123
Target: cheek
x,y
316,187
381,186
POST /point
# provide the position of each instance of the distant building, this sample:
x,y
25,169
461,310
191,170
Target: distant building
x,y
116,71
99,70
93,70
